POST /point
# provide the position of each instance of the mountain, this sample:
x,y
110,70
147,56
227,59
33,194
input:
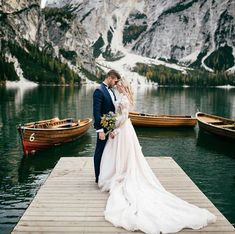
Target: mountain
x,y
47,46
19,19
188,32
72,39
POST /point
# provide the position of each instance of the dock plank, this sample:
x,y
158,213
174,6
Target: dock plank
x,y
70,202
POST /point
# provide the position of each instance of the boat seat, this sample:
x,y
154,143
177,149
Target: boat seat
x,y
63,125
214,121
210,120
227,126
66,125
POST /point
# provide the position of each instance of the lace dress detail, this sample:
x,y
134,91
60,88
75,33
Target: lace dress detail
x,y
122,110
137,200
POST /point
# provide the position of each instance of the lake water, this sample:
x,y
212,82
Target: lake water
x,y
208,160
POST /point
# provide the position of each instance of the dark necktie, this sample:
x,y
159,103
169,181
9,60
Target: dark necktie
x,y
113,93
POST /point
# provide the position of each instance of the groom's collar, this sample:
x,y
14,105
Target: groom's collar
x,y
108,87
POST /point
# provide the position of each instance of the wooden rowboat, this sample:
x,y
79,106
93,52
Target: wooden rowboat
x,y
151,120
217,125
48,133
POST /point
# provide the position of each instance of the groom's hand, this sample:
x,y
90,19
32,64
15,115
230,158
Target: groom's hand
x,y
102,136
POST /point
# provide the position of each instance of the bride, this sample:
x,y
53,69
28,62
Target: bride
x,y
137,200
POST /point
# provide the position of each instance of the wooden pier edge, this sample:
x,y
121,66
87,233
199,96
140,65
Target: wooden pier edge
x,y
70,202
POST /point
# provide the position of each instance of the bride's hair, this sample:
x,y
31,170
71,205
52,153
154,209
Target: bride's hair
x,y
126,89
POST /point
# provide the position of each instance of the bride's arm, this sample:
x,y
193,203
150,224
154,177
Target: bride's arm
x,y
122,114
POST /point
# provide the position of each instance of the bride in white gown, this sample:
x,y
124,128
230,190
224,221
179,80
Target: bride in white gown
x,y
137,200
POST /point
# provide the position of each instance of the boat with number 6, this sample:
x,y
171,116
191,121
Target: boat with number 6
x,y
151,120
216,125
52,132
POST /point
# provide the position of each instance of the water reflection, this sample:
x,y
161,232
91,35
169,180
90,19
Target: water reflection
x,y
21,88
216,144
166,132
166,141
45,102
187,101
217,156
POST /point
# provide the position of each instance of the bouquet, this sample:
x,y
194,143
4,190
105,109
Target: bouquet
x,y
108,122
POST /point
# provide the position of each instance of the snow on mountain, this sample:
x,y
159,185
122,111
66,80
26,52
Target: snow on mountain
x,y
127,63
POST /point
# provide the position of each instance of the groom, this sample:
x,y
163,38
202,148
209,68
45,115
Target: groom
x,y
103,103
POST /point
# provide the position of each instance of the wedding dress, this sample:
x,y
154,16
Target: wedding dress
x,y
137,200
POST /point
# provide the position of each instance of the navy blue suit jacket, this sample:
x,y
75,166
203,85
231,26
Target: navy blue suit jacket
x,y
102,104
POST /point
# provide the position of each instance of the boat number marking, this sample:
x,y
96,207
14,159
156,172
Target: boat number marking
x,y
32,138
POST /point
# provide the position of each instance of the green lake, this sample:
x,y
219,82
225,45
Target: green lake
x,y
208,160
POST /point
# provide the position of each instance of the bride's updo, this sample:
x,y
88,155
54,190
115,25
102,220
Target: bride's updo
x,y
123,86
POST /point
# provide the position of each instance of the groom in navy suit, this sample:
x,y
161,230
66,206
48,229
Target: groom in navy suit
x,y
103,103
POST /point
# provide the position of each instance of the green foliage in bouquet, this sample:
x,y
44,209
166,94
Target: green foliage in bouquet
x,y
108,122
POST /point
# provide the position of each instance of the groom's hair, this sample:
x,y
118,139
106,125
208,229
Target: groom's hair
x,y
113,73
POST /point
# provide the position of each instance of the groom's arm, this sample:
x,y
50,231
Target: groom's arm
x,y
97,107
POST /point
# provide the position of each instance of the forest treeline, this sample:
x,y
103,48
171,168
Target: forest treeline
x,y
194,77
37,65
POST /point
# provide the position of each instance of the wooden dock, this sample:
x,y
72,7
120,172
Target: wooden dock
x,y
70,201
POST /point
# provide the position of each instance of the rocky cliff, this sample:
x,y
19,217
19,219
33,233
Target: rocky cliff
x,y
20,20
196,33
54,32
182,31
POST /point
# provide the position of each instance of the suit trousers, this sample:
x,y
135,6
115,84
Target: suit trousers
x,y
100,144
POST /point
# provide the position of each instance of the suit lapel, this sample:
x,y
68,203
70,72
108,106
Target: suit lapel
x,y
107,93
105,90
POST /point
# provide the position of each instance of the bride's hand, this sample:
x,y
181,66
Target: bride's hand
x,y
112,135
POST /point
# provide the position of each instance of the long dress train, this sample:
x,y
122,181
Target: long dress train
x,y
137,200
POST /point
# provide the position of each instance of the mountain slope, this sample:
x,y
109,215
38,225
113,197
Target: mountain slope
x,y
186,31
43,46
